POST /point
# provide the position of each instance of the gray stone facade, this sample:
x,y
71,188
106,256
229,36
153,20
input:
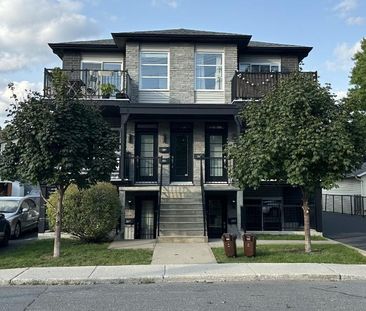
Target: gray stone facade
x,y
289,63
71,60
133,66
231,64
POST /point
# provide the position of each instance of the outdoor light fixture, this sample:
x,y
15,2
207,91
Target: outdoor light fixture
x,y
130,138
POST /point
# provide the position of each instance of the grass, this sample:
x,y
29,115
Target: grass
x,y
73,253
263,236
324,253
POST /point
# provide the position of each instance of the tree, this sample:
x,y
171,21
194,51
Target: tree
x,y
58,141
358,77
298,135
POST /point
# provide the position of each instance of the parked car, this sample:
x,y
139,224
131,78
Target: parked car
x,y
22,213
4,231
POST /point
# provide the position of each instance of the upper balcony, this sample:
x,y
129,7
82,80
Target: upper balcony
x,y
253,85
92,84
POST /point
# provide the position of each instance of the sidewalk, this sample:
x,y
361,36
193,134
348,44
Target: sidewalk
x,y
180,273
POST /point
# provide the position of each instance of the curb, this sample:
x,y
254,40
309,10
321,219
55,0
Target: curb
x,y
147,274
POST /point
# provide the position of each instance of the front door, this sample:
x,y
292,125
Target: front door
x,y
146,161
181,159
215,162
216,216
145,218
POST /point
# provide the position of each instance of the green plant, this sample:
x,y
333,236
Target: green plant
x,y
90,214
107,89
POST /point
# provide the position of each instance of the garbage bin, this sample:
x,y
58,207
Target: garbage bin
x,y
250,243
229,244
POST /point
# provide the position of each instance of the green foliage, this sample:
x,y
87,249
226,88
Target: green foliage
x,y
72,200
358,77
107,89
298,135
59,141
90,214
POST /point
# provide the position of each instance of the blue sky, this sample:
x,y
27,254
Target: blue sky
x,y
333,27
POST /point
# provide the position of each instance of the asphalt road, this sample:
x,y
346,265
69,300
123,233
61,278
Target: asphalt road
x,y
277,295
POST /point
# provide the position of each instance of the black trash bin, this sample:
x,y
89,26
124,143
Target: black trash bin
x,y
229,244
250,245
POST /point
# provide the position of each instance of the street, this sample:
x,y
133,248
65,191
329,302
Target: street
x,y
270,295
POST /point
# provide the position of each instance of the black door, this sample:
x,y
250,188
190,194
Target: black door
x,y
146,162
215,162
145,221
181,158
216,216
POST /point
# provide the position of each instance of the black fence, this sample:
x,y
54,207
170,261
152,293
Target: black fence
x,y
344,204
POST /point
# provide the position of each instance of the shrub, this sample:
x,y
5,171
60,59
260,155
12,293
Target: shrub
x,y
89,214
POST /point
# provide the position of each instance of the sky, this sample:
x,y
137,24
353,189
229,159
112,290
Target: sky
x,y
333,28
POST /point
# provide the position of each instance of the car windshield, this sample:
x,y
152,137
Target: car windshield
x,y
8,206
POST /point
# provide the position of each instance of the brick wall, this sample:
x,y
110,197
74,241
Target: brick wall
x,y
231,64
71,60
132,65
289,63
182,73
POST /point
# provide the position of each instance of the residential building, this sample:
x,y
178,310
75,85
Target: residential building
x,y
174,102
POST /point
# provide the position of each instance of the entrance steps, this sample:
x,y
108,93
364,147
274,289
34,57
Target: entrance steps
x,y
181,215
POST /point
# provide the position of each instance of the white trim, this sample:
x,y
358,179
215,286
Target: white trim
x,y
156,51
209,51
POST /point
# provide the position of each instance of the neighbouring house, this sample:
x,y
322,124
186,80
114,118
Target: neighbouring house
x,y
349,196
174,96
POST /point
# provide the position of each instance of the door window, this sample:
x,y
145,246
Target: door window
x,y
216,155
147,155
147,219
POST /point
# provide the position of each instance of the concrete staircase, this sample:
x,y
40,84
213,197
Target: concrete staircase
x,y
181,218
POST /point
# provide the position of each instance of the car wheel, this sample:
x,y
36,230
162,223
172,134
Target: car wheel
x,y
17,231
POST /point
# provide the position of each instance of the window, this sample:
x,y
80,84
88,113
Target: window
x,y
154,71
209,73
245,67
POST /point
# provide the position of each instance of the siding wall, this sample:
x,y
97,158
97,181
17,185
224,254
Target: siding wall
x,y
71,60
346,187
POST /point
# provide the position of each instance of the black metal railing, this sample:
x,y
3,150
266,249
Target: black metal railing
x,y
91,84
204,209
250,85
159,197
344,204
216,169
141,169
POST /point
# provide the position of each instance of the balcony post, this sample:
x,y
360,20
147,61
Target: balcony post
x,y
124,119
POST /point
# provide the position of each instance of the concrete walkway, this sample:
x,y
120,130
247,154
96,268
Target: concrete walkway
x,y
182,253
180,273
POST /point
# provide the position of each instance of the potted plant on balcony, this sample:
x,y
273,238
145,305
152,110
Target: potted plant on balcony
x,y
120,94
107,89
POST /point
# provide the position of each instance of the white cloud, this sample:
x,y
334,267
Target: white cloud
x,y
342,57
6,95
355,20
170,3
27,26
345,6
340,94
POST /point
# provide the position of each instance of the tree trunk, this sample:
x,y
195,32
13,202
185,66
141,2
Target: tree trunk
x,y
57,242
306,209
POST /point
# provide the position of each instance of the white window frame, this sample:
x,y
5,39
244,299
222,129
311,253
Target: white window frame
x,y
168,70
261,64
222,73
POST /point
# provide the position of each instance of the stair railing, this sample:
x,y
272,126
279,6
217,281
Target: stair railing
x,y
159,197
203,197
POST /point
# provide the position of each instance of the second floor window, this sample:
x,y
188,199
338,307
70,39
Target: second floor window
x,y
154,71
209,73
246,67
